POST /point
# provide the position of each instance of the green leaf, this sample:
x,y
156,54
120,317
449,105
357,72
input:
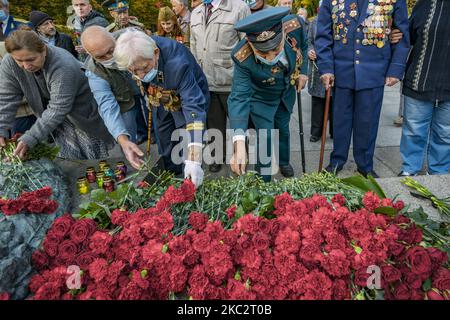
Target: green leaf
x,y
165,248
364,185
98,195
360,296
389,211
237,276
427,285
144,274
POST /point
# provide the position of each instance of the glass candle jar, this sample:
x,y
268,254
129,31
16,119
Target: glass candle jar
x,y
90,175
83,185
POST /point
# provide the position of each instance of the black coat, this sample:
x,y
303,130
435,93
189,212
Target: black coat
x,y
427,71
64,41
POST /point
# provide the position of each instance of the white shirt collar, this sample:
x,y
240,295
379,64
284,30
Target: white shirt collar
x,y
5,24
216,3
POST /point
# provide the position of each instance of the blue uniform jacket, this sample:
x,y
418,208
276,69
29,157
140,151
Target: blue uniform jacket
x,y
355,65
179,71
259,86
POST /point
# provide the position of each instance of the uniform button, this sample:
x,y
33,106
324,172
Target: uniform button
x,y
358,30
358,41
358,52
357,61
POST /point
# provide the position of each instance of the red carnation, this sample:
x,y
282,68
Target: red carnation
x,y
198,220
371,201
62,225
11,207
281,201
399,205
339,199
45,192
231,212
100,242
82,230
118,217
4,296
36,206
336,263
441,279
50,206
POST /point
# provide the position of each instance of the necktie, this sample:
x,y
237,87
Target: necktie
x,y
208,11
2,36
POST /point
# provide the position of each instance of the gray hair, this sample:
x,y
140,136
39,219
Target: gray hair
x,y
5,3
131,45
184,3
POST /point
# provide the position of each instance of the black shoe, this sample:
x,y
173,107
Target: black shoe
x,y
332,169
215,167
314,138
287,171
371,173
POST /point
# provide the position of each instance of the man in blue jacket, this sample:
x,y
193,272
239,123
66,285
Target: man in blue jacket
x,y
356,58
177,89
8,23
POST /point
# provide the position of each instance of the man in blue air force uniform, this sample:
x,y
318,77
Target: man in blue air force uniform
x,y
355,56
268,69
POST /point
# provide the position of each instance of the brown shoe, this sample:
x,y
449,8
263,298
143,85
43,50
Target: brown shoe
x,y
398,122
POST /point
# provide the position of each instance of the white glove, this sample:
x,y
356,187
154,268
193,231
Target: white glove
x,y
194,171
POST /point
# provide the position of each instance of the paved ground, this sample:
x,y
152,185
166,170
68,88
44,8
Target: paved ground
x,y
387,160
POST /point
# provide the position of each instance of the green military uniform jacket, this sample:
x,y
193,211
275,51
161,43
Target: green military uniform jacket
x,y
260,88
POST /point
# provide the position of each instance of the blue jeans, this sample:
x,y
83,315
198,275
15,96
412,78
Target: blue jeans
x,y
426,132
129,118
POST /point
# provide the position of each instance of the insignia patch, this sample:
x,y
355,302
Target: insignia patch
x,y
243,53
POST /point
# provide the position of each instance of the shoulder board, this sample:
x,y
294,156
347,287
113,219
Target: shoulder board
x,y
243,53
111,27
21,20
291,25
136,23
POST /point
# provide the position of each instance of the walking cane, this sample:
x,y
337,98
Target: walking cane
x,y
324,128
300,124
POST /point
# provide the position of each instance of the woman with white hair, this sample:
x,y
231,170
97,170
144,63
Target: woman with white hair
x,y
177,88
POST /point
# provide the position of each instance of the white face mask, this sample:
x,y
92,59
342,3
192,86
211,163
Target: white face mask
x,y
110,64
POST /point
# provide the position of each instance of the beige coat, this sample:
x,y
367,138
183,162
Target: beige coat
x,y
212,42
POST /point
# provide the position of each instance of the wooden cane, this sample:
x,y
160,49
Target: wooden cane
x,y
324,128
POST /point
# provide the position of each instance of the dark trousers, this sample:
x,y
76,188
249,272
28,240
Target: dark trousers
x,y
217,116
356,112
23,124
317,114
164,123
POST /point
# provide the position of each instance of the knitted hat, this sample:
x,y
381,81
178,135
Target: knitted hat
x,y
38,17
165,14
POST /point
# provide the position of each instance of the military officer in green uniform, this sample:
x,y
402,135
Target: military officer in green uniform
x,y
118,9
268,69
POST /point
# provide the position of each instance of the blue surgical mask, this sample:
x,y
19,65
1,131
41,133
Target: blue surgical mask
x,y
150,76
250,3
3,15
274,61
207,1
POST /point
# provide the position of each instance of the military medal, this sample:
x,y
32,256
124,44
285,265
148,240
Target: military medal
x,y
275,70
